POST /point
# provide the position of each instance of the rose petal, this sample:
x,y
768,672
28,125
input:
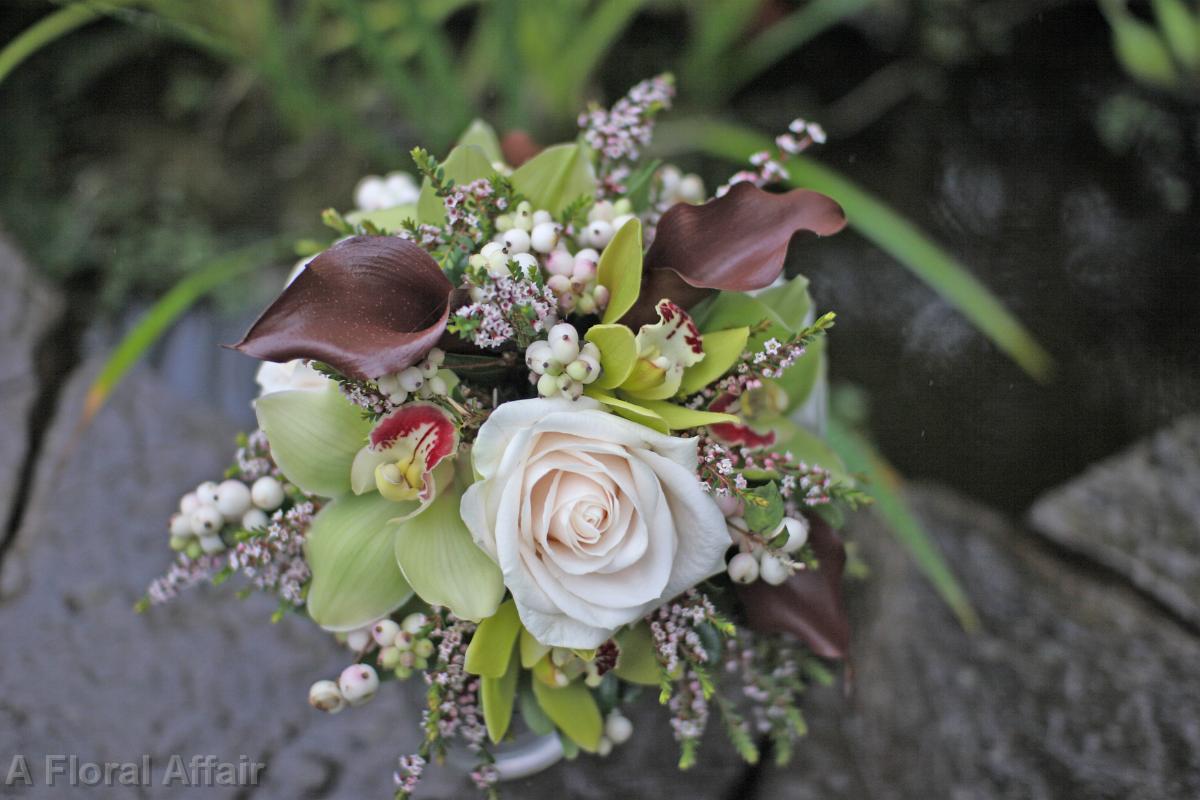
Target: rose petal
x,y
368,306
734,243
809,605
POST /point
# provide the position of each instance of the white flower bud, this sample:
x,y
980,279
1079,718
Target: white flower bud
x,y
255,519
325,696
797,529
544,237
564,342
618,728
233,500
601,210
188,503
410,379
560,262
267,493
538,355
516,240
384,632
527,262
598,233
206,520
388,384
772,570
436,356
359,639
211,545
358,683
181,525
491,250
206,493
413,622
743,568
619,222
547,386
559,284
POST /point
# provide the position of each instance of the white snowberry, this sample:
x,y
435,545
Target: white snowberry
x,y
618,728
267,493
188,503
544,237
211,545
772,570
255,519
598,233
516,241
359,639
797,529
601,210
206,520
358,683
413,622
181,525
384,632
206,493
542,215
326,696
743,568
410,379
564,342
233,500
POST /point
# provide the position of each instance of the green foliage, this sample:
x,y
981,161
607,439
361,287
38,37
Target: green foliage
x,y
555,177
883,484
618,353
492,644
573,711
722,349
764,508
620,271
315,436
637,661
355,579
498,694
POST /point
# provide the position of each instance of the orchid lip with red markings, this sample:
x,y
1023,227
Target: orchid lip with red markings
x,y
405,447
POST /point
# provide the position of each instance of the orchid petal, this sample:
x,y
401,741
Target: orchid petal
x,y
355,579
314,437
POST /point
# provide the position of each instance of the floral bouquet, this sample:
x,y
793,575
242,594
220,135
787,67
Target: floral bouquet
x,y
544,435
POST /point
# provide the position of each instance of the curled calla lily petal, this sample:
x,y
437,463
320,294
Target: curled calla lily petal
x,y
735,243
809,604
368,306
404,448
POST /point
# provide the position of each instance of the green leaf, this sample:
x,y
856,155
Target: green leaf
x,y
808,447
574,711
883,484
636,661
1139,48
386,219
532,650
679,418
721,351
620,270
735,309
630,411
535,719
498,696
50,28
492,644
439,558
879,223
555,177
355,579
483,136
182,296
618,353
791,302
766,514
314,437
464,164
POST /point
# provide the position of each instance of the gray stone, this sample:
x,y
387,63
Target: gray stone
x,y
1138,513
27,310
1076,686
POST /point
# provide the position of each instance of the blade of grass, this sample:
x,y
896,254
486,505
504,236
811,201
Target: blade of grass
x,y
780,39
887,229
588,47
49,29
169,308
884,485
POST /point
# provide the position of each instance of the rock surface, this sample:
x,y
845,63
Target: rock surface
x,y
27,310
1138,513
1076,686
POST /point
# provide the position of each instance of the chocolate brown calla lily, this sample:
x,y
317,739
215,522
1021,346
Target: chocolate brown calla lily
x,y
809,604
735,243
368,306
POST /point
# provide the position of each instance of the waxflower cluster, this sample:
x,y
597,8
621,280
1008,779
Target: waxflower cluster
x,y
527,438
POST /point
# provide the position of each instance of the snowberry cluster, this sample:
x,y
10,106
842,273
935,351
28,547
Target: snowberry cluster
x,y
758,560
196,528
420,379
560,366
402,648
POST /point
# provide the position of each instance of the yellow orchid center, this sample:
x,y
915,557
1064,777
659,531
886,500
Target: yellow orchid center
x,y
402,479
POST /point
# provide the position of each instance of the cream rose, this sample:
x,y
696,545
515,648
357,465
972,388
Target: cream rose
x,y
594,520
